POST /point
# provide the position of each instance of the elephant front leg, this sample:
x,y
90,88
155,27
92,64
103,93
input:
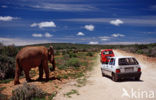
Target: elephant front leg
x,y
54,66
27,75
40,73
46,69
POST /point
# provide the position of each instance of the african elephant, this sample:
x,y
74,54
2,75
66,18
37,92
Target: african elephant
x,y
33,56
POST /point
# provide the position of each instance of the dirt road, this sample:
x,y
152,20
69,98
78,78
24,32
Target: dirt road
x,y
103,88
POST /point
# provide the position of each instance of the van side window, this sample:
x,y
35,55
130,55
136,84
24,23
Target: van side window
x,y
112,61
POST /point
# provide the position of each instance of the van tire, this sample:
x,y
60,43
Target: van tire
x,y
103,74
137,78
114,77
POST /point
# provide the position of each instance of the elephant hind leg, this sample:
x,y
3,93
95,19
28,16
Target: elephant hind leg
x,y
26,71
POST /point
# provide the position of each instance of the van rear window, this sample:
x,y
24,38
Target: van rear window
x,y
107,52
128,61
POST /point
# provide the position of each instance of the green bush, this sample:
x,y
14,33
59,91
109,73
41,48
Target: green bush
x,y
66,57
10,51
71,55
60,62
89,54
62,66
7,67
27,92
73,62
85,63
139,51
63,52
68,62
2,96
52,95
57,53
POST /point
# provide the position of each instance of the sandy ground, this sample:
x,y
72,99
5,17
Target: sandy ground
x,y
103,88
49,87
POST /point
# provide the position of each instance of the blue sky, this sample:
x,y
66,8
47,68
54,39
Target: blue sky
x,y
25,22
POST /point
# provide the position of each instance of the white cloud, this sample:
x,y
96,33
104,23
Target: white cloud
x,y
48,35
43,24
4,6
80,33
116,22
89,27
33,25
21,42
105,38
135,21
37,35
93,42
117,35
7,18
64,7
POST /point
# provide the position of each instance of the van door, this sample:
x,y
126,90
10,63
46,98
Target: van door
x,y
111,65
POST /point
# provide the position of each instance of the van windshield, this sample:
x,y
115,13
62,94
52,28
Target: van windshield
x,y
107,52
128,61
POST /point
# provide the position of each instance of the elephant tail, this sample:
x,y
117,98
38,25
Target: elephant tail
x,y
18,65
17,72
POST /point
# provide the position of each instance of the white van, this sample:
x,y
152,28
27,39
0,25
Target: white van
x,y
122,67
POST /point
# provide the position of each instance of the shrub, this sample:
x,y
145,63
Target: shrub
x,y
57,53
27,92
52,95
84,63
73,62
2,96
60,62
89,54
139,51
62,66
10,51
7,67
71,55
66,57
73,91
63,52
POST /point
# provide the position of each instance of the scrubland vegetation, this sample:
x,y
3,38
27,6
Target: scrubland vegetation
x,y
146,49
72,61
27,92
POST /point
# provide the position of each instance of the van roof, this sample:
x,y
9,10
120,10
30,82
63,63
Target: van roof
x,y
122,57
106,50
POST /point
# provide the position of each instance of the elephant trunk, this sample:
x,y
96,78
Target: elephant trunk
x,y
53,63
